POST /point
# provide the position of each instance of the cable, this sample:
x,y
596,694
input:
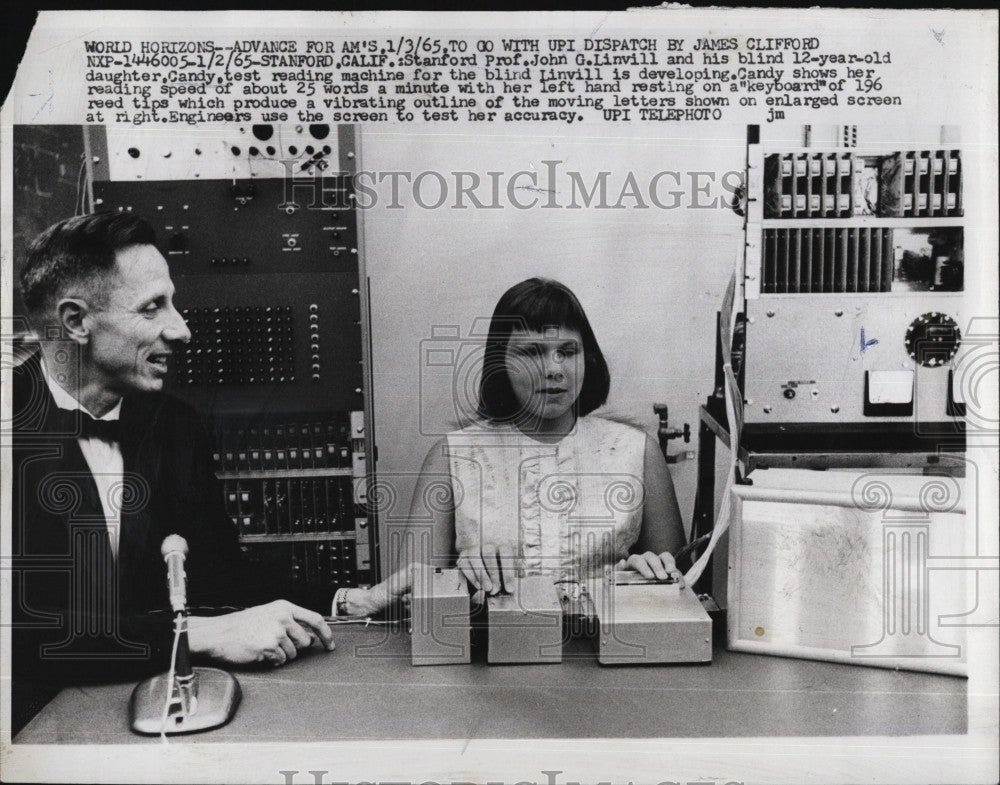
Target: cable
x,y
179,622
734,419
368,621
691,546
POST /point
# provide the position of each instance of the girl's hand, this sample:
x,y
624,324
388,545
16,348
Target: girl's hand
x,y
650,565
490,570
367,602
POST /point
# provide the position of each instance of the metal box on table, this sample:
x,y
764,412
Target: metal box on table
x,y
440,633
525,625
643,623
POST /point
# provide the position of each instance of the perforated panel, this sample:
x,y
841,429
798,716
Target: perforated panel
x,y
271,296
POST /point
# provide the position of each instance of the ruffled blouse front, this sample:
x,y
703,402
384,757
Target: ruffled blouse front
x,y
565,508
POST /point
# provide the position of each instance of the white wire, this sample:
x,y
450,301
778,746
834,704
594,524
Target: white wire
x,y
368,621
734,419
178,623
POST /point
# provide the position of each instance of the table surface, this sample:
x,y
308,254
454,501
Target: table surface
x,y
367,689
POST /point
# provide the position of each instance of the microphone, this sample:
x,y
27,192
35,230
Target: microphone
x,y
194,699
174,550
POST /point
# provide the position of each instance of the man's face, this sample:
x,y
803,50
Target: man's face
x,y
137,329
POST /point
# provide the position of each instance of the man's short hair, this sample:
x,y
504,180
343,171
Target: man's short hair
x,y
78,251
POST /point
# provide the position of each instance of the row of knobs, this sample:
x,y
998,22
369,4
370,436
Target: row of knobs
x,y
314,364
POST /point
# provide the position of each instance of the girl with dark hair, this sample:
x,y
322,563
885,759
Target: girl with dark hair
x,y
540,483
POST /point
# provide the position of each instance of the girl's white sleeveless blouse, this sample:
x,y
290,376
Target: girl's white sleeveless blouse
x,y
565,508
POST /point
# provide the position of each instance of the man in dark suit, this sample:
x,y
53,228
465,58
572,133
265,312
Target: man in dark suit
x,y
105,465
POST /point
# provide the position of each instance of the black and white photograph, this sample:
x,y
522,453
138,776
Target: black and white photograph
x,y
529,398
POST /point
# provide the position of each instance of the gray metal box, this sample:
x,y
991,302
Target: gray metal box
x,y
526,625
805,361
439,622
642,624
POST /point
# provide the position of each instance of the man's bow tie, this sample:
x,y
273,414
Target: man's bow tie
x,y
83,425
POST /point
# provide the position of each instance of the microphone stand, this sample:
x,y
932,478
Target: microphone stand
x,y
185,699
199,698
185,680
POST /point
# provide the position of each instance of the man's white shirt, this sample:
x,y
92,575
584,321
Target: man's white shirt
x,y
103,457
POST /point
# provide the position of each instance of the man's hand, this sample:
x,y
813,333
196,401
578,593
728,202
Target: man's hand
x,y
271,633
367,602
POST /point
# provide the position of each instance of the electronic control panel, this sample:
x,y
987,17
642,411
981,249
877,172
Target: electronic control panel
x,y
854,283
259,228
262,317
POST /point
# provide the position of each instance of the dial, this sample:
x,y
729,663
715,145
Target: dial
x,y
932,339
